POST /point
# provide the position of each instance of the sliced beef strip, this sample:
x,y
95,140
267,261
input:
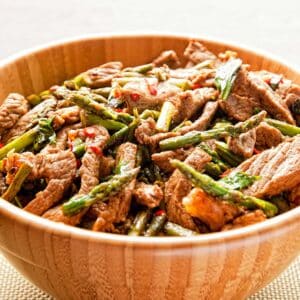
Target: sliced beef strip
x,y
249,93
196,53
278,168
65,116
267,136
12,109
103,75
146,134
178,186
210,211
89,173
190,102
146,131
244,144
162,159
57,167
117,207
149,195
30,118
246,219
168,57
139,94
203,121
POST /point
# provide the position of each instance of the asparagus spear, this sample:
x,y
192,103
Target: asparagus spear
x,y
165,117
87,103
21,142
17,182
286,129
215,157
213,169
105,91
173,229
92,119
139,223
195,137
225,77
100,192
216,189
231,158
140,69
157,223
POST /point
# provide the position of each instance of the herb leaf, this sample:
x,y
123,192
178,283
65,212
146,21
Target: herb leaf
x,y
46,134
225,77
238,181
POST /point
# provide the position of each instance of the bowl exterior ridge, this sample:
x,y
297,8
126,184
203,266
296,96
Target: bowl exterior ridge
x,y
72,263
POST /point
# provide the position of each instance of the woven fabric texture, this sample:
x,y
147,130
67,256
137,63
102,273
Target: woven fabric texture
x,y
14,286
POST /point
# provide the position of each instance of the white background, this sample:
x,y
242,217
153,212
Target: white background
x,y
269,25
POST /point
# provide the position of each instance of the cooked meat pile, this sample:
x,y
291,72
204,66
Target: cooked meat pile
x,y
184,145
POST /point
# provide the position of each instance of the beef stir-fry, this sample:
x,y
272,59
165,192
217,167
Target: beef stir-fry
x,y
173,147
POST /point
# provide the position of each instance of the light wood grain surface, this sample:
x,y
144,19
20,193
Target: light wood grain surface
x,y
267,25
70,263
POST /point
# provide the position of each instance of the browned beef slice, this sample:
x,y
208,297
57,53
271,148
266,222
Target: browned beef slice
x,y
168,57
117,207
244,144
246,219
279,169
149,195
13,107
190,102
249,93
139,94
30,118
196,53
145,133
267,136
102,75
59,169
162,159
65,116
178,186
89,173
107,165
203,121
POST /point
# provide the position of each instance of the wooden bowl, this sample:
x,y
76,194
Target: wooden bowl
x,y
73,263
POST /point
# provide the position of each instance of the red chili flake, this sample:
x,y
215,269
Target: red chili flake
x,y
256,151
160,212
196,86
96,150
119,109
225,173
1,145
135,97
267,80
152,89
78,163
89,132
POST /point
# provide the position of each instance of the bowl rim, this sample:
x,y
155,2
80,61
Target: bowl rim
x,y
274,225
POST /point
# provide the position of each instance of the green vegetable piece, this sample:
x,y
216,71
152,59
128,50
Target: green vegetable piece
x,y
225,77
173,229
238,180
17,182
215,189
139,223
